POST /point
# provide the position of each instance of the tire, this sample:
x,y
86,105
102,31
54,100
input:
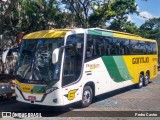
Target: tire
x,y
87,96
146,80
140,83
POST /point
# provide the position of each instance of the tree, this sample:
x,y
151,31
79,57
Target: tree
x,y
102,12
124,26
89,13
120,22
7,7
79,9
95,13
40,15
151,29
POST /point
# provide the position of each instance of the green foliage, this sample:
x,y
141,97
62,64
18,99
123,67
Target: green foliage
x,y
95,13
32,15
121,9
8,19
101,13
79,9
151,29
40,14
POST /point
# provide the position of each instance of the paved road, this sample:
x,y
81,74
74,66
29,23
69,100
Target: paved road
x,y
130,99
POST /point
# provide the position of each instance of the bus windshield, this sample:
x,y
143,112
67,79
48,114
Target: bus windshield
x,y
35,61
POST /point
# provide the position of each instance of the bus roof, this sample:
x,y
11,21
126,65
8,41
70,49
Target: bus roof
x,y
55,33
60,33
112,33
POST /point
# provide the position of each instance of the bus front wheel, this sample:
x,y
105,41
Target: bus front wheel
x,y
87,96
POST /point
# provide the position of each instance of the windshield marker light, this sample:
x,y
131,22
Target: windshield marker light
x,y
51,90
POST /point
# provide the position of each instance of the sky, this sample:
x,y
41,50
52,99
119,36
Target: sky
x,y
148,9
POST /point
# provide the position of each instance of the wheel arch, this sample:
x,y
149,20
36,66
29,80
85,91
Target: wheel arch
x,y
148,72
92,85
142,72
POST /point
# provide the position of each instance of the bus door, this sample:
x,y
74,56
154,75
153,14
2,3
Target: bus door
x,y
72,68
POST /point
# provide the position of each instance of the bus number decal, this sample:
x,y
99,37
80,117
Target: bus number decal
x,y
71,94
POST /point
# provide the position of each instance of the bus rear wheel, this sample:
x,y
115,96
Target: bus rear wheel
x,y
87,96
146,80
140,83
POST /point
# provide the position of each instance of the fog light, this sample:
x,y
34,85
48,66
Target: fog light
x,y
12,87
55,100
3,87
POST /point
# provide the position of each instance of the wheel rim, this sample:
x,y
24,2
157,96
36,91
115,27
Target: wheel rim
x,y
141,81
146,79
86,96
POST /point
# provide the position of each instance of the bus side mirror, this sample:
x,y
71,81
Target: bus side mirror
x,y
8,53
55,55
4,56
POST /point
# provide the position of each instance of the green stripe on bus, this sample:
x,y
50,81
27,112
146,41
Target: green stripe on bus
x,y
38,89
101,33
42,89
117,68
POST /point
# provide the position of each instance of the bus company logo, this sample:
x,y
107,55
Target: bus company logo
x,y
26,89
92,66
140,60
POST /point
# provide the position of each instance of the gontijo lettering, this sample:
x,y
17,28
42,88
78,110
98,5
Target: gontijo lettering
x,y
140,60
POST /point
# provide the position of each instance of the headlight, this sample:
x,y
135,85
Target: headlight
x,y
3,87
51,90
13,87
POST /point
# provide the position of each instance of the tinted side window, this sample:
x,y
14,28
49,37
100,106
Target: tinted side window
x,y
141,47
95,47
98,46
120,46
108,45
153,46
124,47
148,48
133,46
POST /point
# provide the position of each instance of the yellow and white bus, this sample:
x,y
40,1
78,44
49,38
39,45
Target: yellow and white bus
x,y
63,66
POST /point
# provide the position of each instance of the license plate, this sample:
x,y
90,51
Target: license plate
x,y
32,98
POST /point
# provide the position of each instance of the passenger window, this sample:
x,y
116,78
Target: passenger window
x,y
114,44
99,46
120,46
107,45
134,47
153,46
148,48
124,47
89,48
95,47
